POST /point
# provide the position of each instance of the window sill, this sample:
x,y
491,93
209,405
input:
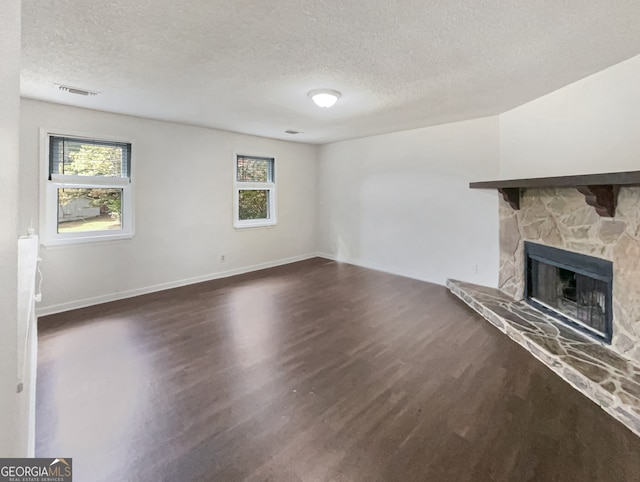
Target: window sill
x,y
95,240
261,224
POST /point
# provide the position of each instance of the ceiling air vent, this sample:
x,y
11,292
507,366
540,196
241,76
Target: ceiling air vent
x,y
75,90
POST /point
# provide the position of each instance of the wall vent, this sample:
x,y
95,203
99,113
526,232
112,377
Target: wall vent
x,y
76,90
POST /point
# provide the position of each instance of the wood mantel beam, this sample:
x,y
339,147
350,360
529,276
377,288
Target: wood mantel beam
x,y
600,190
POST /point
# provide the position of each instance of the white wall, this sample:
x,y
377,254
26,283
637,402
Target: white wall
x,y
590,126
13,423
183,207
401,202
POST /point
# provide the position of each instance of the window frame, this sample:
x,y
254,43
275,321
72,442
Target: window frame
x,y
254,186
50,183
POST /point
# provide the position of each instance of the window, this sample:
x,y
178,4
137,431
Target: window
x,y
87,194
255,192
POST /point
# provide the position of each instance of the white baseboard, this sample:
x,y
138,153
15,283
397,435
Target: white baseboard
x,y
382,268
121,295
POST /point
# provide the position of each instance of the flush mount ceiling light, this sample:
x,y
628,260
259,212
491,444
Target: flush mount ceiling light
x,y
324,97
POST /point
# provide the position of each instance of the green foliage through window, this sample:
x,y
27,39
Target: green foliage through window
x,y
91,159
255,191
253,204
86,157
255,169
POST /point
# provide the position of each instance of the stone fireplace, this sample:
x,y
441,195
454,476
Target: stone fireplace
x,y
560,218
571,251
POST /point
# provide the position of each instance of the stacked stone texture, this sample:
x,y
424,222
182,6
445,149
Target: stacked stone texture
x,y
562,219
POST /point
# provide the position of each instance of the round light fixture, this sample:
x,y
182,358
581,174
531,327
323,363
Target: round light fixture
x,y
324,97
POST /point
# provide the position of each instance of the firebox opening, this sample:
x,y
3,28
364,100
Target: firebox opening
x,y
574,288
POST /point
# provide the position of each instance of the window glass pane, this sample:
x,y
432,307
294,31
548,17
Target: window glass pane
x,y
253,204
254,169
94,209
80,157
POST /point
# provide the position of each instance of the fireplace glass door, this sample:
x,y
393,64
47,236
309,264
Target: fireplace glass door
x,y
571,288
574,295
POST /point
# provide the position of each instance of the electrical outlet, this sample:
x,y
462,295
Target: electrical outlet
x,y
222,257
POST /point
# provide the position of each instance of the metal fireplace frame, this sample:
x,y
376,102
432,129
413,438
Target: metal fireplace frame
x,y
596,268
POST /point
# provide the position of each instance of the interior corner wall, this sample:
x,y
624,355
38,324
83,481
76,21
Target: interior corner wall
x,y
183,196
13,422
401,202
590,126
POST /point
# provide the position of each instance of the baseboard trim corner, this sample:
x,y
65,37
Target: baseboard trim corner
x,y
328,256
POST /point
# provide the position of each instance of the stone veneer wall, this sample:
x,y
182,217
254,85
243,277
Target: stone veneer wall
x,y
561,218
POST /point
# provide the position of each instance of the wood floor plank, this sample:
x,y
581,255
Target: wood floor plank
x,y
314,371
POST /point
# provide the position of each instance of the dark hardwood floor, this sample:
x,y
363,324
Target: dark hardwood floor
x,y
315,371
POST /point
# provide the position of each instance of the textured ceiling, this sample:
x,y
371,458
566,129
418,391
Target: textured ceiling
x,y
247,65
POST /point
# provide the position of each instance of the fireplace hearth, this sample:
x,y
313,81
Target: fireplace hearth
x,y
574,288
607,378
